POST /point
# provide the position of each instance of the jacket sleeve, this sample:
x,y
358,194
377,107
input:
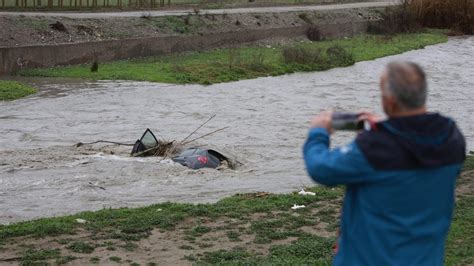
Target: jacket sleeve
x,y
345,165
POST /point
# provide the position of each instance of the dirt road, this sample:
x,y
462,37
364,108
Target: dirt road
x,y
163,13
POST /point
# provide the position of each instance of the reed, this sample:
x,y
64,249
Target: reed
x,y
452,14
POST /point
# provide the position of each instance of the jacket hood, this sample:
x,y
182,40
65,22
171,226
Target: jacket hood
x,y
426,129
419,141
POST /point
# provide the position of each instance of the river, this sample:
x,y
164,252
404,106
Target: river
x,y
42,174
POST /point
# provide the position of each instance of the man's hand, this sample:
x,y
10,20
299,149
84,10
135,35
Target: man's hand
x,y
372,118
323,120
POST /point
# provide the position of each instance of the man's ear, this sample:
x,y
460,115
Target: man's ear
x,y
390,105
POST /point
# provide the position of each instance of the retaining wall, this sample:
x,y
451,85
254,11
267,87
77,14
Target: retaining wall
x,y
16,58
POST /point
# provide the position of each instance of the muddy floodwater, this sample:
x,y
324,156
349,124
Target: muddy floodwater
x,y
42,174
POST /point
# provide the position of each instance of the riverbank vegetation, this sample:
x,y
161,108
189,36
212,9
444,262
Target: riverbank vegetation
x,y
224,65
251,229
454,15
12,90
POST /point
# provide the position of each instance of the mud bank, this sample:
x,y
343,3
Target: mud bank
x,y
29,42
42,174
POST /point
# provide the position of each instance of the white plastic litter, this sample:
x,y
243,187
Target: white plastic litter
x,y
302,192
295,207
81,221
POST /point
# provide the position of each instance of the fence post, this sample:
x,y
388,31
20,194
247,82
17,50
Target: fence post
x,y
3,3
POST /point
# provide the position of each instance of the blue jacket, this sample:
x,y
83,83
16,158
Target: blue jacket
x,y
400,180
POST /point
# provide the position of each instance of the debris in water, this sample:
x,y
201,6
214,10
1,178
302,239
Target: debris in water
x,y
97,186
303,192
194,158
148,145
295,207
191,157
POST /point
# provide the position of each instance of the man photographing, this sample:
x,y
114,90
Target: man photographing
x,y
400,176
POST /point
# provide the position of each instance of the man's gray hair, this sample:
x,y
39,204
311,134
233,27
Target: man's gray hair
x,y
406,81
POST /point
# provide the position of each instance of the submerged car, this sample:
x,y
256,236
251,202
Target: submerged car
x,y
194,158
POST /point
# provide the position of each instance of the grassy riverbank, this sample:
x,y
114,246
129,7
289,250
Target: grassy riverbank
x,y
249,228
12,90
226,65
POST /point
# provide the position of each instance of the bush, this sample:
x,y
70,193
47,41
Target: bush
x,y
453,14
338,56
302,55
305,18
400,19
235,58
187,20
317,59
257,62
313,33
457,15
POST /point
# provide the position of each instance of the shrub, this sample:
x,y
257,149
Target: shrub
x,y
234,58
334,56
187,20
457,15
313,33
400,19
454,14
305,18
302,55
338,56
257,62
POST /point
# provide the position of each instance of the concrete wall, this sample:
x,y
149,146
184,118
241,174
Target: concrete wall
x,y
16,58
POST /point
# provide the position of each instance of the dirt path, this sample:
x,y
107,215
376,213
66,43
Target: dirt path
x,y
163,13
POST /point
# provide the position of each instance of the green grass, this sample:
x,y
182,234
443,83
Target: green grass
x,y
12,90
226,65
460,244
134,224
469,163
81,247
39,256
115,259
